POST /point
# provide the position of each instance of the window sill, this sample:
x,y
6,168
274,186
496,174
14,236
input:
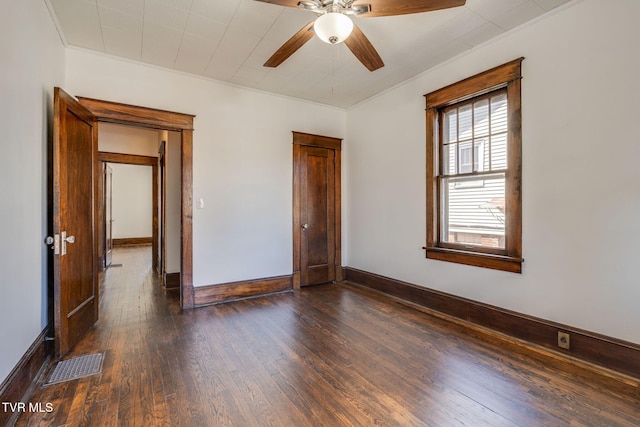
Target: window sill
x,y
496,262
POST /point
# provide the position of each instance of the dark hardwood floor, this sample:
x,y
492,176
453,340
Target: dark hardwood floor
x,y
330,355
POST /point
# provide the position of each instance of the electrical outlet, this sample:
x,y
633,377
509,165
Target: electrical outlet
x,y
564,340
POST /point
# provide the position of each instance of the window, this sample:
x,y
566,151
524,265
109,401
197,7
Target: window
x,y
474,213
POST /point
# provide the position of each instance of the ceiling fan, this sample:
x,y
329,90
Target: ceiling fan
x,y
334,24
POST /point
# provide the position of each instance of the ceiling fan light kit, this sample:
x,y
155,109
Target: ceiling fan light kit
x,y
333,27
334,24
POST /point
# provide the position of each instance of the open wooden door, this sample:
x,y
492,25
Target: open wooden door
x,y
75,265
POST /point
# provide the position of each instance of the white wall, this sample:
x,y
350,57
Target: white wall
x,y
33,61
242,159
581,196
128,140
132,201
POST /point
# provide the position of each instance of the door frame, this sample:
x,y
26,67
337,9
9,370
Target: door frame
x,y
137,160
309,140
162,176
105,235
124,114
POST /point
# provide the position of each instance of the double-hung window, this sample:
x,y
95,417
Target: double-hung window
x,y
474,213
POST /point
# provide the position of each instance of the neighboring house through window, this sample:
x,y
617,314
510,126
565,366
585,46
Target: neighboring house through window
x,y
474,213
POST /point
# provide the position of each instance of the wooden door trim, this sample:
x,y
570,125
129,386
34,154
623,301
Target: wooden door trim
x,y
113,112
127,159
320,141
124,114
137,160
162,171
301,139
101,215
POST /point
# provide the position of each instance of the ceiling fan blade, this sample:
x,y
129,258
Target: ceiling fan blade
x,y
290,46
362,48
288,3
404,7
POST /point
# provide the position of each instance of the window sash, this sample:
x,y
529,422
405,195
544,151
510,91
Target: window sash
x,y
473,210
484,138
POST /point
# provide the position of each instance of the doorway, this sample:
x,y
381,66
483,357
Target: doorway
x,y
111,112
108,161
317,214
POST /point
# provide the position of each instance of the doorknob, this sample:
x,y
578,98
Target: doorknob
x,y
305,226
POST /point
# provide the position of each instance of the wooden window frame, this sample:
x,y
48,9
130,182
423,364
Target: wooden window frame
x,y
510,259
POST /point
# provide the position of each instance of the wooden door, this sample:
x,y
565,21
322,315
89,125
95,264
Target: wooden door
x,y
316,210
108,214
75,265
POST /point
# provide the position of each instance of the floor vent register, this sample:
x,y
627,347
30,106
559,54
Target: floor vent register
x,y
78,367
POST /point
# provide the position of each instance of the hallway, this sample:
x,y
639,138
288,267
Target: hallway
x,y
134,310
331,355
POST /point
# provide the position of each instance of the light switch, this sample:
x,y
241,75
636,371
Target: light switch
x,y
200,203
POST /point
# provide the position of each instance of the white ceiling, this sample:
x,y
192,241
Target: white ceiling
x,y
229,40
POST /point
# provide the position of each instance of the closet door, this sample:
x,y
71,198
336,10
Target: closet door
x,y
316,210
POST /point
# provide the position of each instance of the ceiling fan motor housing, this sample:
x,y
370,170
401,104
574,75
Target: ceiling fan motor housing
x,y
333,27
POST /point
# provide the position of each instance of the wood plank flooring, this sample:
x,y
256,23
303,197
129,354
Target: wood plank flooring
x,y
330,355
